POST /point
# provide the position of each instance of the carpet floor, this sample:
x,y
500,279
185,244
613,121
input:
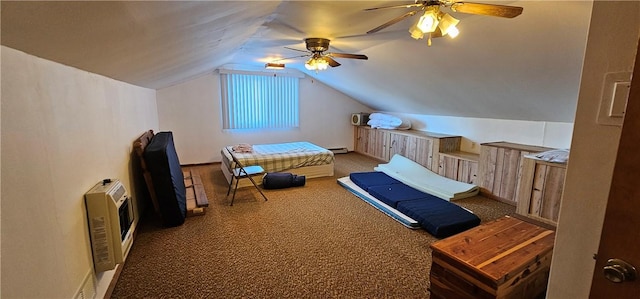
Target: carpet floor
x,y
316,241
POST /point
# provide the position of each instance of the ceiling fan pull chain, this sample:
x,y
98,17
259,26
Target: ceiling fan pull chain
x,y
429,40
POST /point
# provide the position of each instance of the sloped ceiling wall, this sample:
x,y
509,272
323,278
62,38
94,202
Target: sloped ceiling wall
x,y
526,68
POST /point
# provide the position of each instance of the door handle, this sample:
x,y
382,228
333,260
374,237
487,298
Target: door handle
x,y
618,271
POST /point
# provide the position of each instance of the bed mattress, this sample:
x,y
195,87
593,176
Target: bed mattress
x,y
417,176
393,194
168,181
412,207
381,206
283,156
365,180
439,217
300,158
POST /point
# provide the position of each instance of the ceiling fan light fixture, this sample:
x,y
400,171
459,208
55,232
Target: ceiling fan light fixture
x,y
453,32
435,23
416,33
429,21
316,64
274,66
448,24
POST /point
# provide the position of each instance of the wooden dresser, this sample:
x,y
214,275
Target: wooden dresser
x,y
419,146
505,258
459,166
501,167
540,191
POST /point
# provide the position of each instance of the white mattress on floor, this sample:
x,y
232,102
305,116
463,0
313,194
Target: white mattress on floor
x,y
423,179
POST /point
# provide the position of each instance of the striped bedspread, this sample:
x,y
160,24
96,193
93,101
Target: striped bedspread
x,y
282,156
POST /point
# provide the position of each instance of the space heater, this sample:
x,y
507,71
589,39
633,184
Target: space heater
x,y
110,217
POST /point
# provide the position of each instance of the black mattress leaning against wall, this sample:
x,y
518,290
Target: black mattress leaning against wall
x,y
168,181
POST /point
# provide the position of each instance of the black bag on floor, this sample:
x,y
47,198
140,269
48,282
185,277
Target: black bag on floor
x,y
279,180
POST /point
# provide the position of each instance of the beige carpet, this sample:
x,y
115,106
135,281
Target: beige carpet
x,y
316,241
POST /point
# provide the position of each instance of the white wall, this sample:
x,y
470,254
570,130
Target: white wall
x,y
63,130
590,168
191,110
480,130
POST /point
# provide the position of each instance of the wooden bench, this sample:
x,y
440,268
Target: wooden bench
x,y
196,197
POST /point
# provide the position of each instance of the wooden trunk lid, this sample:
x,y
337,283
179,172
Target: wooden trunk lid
x,y
498,254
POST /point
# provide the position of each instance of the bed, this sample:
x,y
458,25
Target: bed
x,y
300,158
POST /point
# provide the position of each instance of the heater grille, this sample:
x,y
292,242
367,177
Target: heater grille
x,y
111,223
88,288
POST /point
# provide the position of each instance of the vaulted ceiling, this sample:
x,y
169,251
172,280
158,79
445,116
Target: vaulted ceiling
x,y
525,68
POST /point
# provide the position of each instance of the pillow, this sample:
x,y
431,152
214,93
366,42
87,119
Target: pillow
x,y
386,121
557,155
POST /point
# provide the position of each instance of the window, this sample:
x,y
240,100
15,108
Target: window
x,y
259,100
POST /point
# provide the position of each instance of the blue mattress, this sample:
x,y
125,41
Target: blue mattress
x,y
439,217
168,182
392,194
365,180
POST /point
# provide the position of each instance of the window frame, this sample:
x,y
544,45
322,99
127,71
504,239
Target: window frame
x,y
268,97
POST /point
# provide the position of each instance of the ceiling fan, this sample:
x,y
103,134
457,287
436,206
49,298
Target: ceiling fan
x,y
436,23
319,59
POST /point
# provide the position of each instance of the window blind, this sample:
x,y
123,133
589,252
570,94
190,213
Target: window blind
x,y
259,101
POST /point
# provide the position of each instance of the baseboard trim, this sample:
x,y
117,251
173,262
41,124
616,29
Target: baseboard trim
x,y
199,164
497,198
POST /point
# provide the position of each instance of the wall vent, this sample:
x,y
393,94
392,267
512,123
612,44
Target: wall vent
x,y
340,150
88,288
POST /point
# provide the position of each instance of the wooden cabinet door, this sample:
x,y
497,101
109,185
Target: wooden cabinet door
x,y
500,170
399,144
371,142
458,169
467,171
416,148
487,169
547,191
421,151
540,190
361,139
448,167
510,173
376,144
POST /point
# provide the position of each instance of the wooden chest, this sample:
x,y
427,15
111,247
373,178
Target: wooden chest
x,y
505,258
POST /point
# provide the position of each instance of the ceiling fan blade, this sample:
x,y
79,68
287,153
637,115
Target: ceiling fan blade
x,y
495,10
297,50
331,62
287,58
396,6
352,56
396,20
